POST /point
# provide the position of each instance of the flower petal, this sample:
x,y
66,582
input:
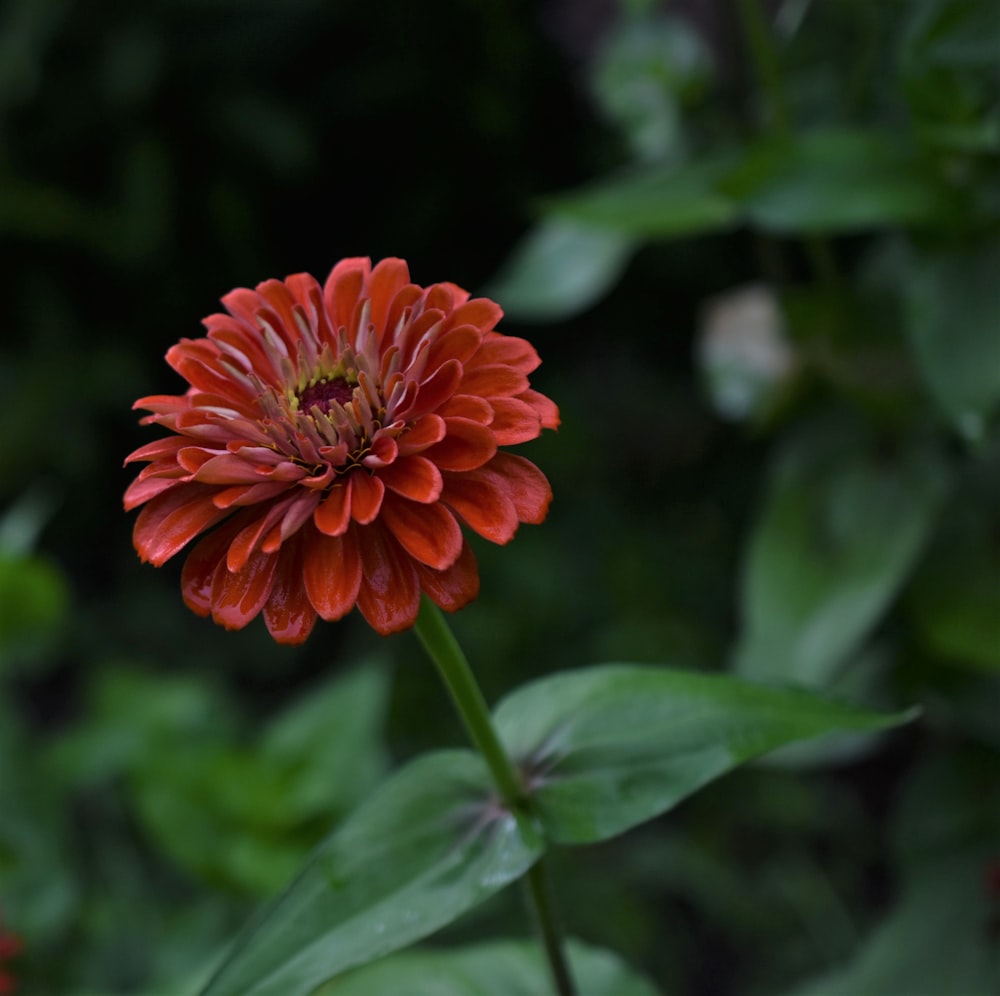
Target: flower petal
x,y
481,500
524,484
388,278
428,533
238,596
426,431
366,496
200,566
454,588
514,421
343,289
288,613
332,574
468,445
334,513
493,381
171,520
413,477
389,597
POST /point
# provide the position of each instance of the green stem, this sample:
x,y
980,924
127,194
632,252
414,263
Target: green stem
x,y
540,894
442,647
767,67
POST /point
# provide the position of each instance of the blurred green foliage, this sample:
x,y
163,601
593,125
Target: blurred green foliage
x,y
840,527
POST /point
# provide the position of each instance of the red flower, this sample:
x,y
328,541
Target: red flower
x,y
10,945
335,437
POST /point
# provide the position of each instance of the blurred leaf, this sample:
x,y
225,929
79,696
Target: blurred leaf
x,y
34,601
953,320
832,182
609,747
946,833
559,269
500,968
841,526
427,846
654,202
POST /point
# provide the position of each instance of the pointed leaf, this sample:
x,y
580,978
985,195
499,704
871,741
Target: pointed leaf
x,y
841,527
609,747
953,319
426,847
560,269
500,968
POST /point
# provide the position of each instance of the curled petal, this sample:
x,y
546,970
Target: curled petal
x,y
366,496
238,596
454,588
172,519
201,565
424,432
333,515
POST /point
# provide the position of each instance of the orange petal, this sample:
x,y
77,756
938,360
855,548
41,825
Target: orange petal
x,y
508,351
480,311
389,597
171,520
514,421
468,445
414,477
238,596
482,503
207,556
334,513
424,432
440,386
343,289
493,381
428,533
366,496
288,613
524,484
388,278
455,587
332,574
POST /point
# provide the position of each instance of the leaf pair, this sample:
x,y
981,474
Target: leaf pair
x,y
602,750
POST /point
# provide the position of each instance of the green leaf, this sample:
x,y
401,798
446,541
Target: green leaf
x,y
953,320
656,202
841,527
832,182
500,968
429,845
560,269
610,747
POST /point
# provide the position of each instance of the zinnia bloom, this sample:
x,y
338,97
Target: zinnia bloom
x,y
330,444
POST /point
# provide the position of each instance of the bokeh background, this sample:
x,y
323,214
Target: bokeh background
x,y
758,248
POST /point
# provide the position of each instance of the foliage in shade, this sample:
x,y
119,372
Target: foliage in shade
x,y
607,748
500,968
337,435
431,843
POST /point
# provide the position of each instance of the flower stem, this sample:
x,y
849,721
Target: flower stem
x,y
440,643
540,895
442,647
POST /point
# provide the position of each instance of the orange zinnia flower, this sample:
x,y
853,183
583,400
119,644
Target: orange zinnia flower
x,y
335,437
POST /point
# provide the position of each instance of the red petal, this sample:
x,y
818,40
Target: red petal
x,y
334,514
202,562
454,588
547,409
144,489
428,533
467,406
388,278
343,288
332,574
440,386
491,381
480,499
459,344
480,311
508,351
414,477
389,597
426,431
172,519
524,484
168,446
238,596
514,421
288,613
366,496
468,445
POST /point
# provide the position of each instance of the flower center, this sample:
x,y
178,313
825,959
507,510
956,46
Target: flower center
x,y
324,393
